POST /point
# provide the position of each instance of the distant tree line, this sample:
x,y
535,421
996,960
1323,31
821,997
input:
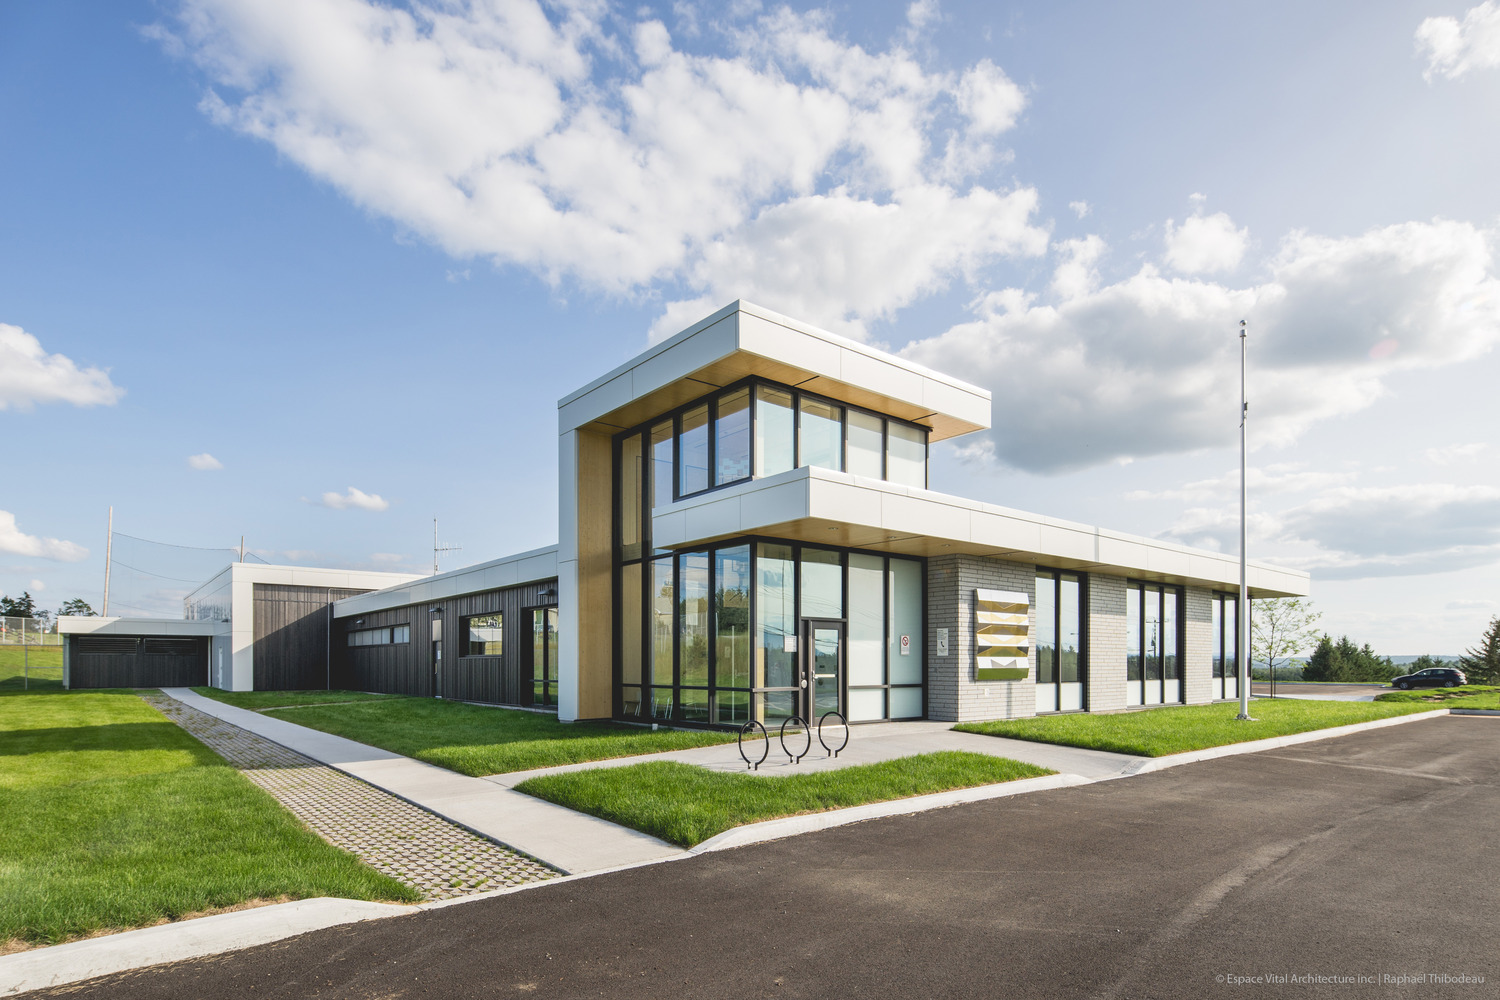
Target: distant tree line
x,y
25,607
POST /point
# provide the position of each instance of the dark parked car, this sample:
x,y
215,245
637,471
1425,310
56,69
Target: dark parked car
x,y
1433,677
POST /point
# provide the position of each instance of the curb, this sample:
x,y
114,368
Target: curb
x,y
175,942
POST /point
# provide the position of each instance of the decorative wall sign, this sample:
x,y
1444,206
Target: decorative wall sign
x,y
1002,635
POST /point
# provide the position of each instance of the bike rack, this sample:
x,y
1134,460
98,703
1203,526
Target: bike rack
x,y
843,722
796,758
765,744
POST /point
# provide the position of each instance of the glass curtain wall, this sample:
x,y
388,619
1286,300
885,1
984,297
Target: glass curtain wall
x,y
1060,666
1225,643
1153,635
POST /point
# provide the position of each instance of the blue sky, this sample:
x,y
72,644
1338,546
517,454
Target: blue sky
x,y
273,232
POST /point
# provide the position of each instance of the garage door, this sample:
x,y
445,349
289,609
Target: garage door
x,y
111,661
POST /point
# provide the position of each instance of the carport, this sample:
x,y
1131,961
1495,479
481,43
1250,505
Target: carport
x,y
136,652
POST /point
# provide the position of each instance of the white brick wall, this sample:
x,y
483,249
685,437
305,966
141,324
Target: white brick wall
x,y
1106,642
1198,669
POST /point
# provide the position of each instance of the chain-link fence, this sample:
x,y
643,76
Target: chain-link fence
x,y
30,655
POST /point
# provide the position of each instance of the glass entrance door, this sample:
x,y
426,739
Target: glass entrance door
x,y
544,656
822,668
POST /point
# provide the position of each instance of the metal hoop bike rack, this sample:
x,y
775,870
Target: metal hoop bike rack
x,y
796,758
765,744
833,752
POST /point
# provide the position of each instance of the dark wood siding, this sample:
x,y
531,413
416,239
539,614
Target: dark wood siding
x,y
291,636
406,668
134,661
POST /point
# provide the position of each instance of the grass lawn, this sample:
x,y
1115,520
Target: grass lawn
x,y
115,818
1161,731
686,805
1463,696
475,740
46,668
259,701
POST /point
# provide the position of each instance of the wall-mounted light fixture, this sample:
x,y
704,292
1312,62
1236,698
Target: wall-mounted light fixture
x,y
549,593
437,612
359,621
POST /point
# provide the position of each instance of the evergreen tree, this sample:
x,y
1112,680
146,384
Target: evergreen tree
x,y
1482,664
76,606
18,607
1344,662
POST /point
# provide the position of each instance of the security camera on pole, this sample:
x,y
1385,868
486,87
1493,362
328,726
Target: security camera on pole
x,y
1242,617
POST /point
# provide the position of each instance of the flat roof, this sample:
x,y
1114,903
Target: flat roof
x,y
138,627
508,571
836,508
302,576
743,339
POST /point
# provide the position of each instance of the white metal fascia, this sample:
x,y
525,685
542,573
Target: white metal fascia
x,y
532,566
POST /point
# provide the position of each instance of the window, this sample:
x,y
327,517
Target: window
x,y
1224,646
544,656
906,455
485,634
401,633
775,431
693,451
866,444
820,434
1059,642
628,508
661,464
732,437
1153,636
370,637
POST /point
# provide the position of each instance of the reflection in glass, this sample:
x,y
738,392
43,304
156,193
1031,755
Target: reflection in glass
x,y
866,652
906,620
661,464
820,433
693,450
825,643
485,634
775,617
906,455
732,617
866,444
1070,641
630,623
1046,630
822,584
695,704
732,437
1169,634
774,431
661,637
692,622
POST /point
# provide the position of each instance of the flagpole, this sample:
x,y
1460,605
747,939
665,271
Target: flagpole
x,y
1242,653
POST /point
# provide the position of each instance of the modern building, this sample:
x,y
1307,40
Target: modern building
x,y
745,532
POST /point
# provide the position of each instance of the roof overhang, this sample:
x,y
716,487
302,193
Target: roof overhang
x,y
834,508
507,571
743,340
138,627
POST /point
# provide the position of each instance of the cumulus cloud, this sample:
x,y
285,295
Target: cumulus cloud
x,y
38,585
1455,47
1149,364
204,462
1356,532
1205,244
29,375
1080,208
1285,477
582,144
354,499
13,540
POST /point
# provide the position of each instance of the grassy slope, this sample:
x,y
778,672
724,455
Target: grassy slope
x,y
1163,731
114,817
686,805
259,701
475,740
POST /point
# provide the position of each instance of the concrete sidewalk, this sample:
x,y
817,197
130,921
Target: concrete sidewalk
x,y
567,840
868,744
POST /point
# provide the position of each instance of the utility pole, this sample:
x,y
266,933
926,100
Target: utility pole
x,y
1243,616
109,545
242,548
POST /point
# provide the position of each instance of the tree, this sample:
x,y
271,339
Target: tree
x,y
18,607
1345,662
1482,664
77,606
1280,628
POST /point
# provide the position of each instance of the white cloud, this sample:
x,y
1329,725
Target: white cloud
x,y
1453,48
1080,208
16,542
1205,244
1077,273
29,375
1449,453
1149,365
38,586
1286,477
204,462
1470,604
386,558
354,499
582,145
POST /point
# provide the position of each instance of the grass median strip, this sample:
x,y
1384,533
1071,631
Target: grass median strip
x,y
115,818
1159,732
477,740
1464,696
686,805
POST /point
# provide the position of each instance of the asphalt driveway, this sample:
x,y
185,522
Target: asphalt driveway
x,y
1369,856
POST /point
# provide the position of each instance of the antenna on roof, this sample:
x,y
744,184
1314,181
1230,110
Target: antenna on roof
x,y
440,549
